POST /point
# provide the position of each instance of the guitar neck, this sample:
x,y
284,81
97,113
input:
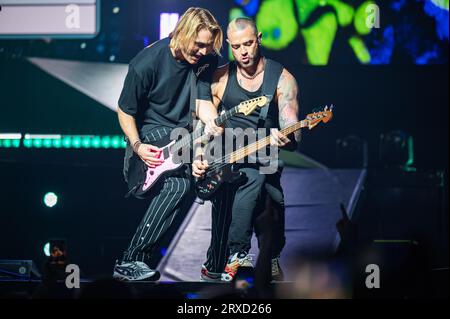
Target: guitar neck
x,y
227,115
252,148
187,140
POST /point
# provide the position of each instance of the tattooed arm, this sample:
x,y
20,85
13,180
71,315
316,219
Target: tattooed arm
x,y
286,98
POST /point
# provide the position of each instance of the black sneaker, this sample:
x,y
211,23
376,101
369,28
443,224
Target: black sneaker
x,y
277,272
208,276
135,271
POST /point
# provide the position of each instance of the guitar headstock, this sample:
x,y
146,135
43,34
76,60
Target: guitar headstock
x,y
321,116
249,106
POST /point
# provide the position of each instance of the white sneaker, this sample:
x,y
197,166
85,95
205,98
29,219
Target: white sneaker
x,y
135,271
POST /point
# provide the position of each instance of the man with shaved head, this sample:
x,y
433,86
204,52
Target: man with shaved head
x,y
237,205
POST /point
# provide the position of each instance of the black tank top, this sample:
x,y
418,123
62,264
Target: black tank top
x,y
235,94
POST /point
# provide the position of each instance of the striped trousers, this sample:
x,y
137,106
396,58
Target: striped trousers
x,y
167,198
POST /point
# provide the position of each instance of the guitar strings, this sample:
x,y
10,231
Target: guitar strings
x,y
187,140
225,160
250,149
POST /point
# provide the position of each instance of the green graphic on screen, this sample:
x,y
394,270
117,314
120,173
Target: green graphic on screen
x,y
359,28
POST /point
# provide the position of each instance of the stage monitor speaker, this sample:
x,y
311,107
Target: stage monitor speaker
x,y
18,270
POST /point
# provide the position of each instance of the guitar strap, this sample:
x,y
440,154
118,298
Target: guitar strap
x,y
272,75
192,106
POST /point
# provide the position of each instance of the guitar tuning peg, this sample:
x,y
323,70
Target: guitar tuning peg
x,y
325,108
331,107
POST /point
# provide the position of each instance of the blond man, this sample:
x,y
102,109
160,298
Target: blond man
x,y
156,99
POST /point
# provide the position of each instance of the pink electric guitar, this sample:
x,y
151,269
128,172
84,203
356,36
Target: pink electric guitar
x,y
142,178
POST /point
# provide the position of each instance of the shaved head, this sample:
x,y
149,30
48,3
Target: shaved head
x,y
239,24
244,40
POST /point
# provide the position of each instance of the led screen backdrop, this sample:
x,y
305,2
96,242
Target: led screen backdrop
x,y
297,32
319,32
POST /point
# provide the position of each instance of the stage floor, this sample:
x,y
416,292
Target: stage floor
x,y
312,197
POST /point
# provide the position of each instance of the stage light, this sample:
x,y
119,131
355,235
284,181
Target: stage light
x,y
396,149
50,199
106,141
47,249
112,58
76,141
86,141
96,141
57,143
6,143
37,143
83,45
16,143
116,10
115,142
167,22
10,136
351,152
9,140
66,142
27,143
47,143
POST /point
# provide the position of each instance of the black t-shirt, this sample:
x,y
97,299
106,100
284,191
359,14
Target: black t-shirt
x,y
157,88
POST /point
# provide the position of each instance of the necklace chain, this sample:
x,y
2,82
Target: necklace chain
x,y
254,75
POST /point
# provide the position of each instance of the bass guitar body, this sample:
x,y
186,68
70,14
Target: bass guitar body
x,y
208,186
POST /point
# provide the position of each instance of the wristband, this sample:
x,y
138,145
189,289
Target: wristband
x,y
136,146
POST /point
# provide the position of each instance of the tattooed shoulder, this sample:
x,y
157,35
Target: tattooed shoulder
x,y
287,91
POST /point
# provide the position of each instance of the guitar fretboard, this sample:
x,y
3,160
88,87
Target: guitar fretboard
x,y
187,140
252,148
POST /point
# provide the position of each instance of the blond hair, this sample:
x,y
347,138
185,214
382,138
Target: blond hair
x,y
190,24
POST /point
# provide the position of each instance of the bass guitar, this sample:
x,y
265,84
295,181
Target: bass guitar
x,y
221,170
